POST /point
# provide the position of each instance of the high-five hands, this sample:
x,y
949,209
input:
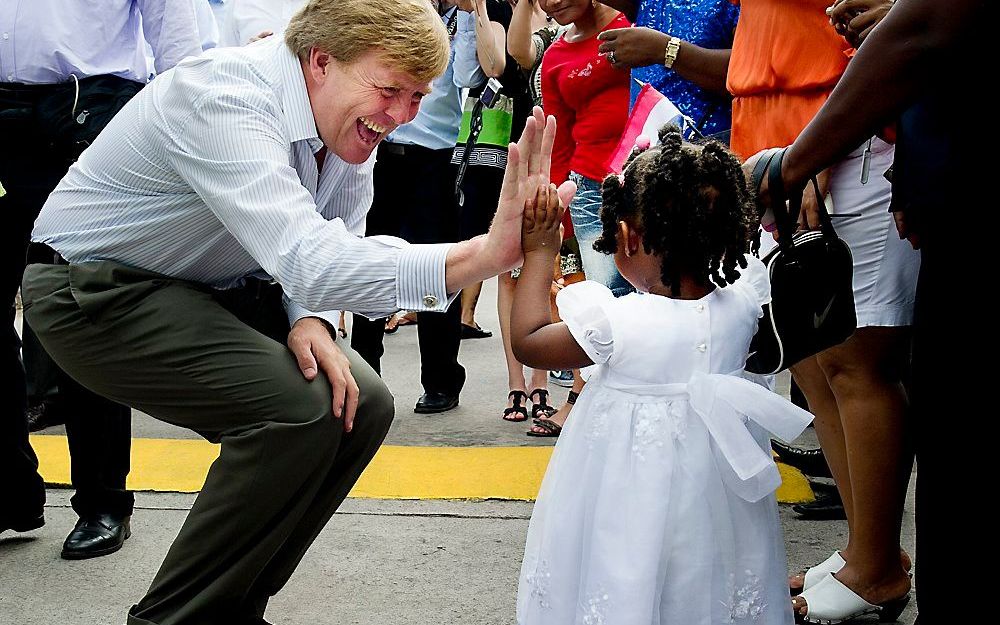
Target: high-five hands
x,y
528,168
542,215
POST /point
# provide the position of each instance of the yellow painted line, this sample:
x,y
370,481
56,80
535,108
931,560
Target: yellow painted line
x,y
397,472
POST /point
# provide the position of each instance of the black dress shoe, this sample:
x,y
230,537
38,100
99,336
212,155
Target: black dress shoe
x,y
22,524
824,508
44,415
430,403
96,535
812,462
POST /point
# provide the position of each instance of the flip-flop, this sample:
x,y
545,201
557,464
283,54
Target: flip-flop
x,y
391,324
405,321
552,429
474,332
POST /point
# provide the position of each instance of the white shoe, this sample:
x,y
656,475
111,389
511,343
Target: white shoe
x,y
829,602
815,574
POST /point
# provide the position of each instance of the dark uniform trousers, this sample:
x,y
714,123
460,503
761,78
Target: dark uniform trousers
x,y
415,200
215,362
41,140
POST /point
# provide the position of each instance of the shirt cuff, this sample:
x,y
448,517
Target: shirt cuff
x,y
296,312
420,278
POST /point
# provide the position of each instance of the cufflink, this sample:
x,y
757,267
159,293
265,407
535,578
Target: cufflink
x,y
430,301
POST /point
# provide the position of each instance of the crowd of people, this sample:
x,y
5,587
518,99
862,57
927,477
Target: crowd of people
x,y
202,190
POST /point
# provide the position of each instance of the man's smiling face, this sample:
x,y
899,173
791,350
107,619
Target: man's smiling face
x,y
357,104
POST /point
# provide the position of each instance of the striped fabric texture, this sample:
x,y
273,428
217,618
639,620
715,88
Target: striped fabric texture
x,y
209,175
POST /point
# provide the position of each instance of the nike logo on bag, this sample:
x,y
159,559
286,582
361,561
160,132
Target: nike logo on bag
x,y
818,320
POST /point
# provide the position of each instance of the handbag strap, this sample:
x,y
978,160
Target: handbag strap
x,y
786,217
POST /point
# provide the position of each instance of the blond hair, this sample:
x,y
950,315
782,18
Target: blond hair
x,y
409,34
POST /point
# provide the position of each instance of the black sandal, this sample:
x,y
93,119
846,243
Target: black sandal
x,y
517,398
552,429
541,408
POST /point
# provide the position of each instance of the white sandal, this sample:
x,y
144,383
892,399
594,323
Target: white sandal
x,y
830,602
815,574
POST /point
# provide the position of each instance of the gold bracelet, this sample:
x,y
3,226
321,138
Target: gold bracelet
x,y
670,55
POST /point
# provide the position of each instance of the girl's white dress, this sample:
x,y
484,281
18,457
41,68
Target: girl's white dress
x,y
658,504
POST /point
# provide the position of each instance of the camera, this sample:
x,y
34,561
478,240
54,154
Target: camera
x,y
491,93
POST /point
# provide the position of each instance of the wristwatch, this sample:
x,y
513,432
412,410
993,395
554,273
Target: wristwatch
x,y
673,47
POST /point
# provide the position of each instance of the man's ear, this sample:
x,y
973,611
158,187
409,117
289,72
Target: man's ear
x,y
319,63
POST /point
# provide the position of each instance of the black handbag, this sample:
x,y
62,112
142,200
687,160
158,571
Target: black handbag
x,y
811,273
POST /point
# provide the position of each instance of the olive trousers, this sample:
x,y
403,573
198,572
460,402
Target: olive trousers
x,y
214,362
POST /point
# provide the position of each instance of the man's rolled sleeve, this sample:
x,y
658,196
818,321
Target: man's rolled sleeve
x,y
420,278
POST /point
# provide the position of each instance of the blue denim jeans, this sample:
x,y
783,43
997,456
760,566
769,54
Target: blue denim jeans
x,y
585,211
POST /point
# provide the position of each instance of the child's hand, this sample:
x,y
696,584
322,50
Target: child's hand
x,y
540,227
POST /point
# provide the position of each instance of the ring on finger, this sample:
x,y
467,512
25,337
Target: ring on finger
x,y
611,57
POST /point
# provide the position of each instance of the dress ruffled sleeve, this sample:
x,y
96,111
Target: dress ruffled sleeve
x,y
754,282
583,307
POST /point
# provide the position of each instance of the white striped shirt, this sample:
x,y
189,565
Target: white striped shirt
x,y
209,175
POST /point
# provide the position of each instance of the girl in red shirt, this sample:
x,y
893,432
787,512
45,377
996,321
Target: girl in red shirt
x,y
589,99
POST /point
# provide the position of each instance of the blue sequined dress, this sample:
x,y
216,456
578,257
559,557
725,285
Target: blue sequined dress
x,y
705,23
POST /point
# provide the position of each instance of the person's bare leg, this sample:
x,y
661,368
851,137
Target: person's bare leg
x,y
560,416
505,298
865,375
823,405
827,422
470,297
539,379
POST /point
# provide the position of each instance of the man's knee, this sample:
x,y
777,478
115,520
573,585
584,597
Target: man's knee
x,y
376,407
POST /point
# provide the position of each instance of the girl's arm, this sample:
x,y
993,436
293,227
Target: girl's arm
x,y
491,42
519,39
535,340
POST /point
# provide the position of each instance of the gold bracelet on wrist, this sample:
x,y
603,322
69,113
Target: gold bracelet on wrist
x,y
670,54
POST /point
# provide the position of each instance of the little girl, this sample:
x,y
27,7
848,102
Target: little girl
x,y
657,507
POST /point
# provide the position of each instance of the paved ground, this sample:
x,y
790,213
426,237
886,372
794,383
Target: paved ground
x,y
378,562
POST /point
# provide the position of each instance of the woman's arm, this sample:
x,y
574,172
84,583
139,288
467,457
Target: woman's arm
x,y
639,47
491,42
519,40
535,340
893,63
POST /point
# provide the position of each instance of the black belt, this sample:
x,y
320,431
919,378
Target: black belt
x,y
41,254
402,149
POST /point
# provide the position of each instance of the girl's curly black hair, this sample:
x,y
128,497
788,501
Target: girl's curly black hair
x,y
692,204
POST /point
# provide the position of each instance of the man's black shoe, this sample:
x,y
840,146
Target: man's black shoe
x,y
430,403
824,508
809,461
25,524
96,535
44,415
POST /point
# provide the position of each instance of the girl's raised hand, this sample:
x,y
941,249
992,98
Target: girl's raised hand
x,y
542,216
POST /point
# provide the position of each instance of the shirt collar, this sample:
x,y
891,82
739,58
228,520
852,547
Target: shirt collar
x,y
295,98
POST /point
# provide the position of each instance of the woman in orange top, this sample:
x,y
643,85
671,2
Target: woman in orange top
x,y
786,60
